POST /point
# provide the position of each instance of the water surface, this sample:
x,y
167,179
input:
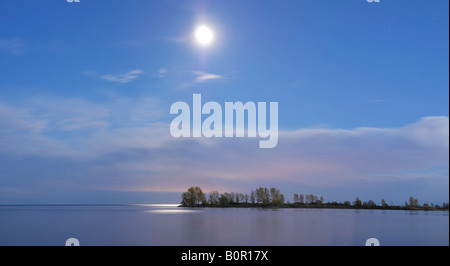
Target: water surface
x,y
166,224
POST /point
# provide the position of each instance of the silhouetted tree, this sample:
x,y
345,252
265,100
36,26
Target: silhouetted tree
x,y
301,198
241,197
371,204
262,195
246,198
281,199
358,202
224,200
314,198
296,198
232,197
193,196
411,202
275,196
214,197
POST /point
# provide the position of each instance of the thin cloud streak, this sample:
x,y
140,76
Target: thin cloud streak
x,y
14,46
200,77
204,77
123,78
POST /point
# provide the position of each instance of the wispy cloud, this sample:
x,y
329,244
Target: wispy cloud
x,y
74,114
15,46
162,72
123,78
204,77
50,122
14,120
199,77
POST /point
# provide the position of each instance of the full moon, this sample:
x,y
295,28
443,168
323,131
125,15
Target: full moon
x,y
204,35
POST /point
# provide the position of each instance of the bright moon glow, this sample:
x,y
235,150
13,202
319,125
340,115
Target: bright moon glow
x,y
204,35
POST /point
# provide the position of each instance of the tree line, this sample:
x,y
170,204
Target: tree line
x,y
272,197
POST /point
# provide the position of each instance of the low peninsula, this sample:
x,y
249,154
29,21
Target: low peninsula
x,y
263,197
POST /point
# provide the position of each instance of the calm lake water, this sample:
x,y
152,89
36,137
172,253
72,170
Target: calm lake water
x,y
165,225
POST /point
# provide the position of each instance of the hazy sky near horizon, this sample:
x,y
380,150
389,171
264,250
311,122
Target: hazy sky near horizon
x,y
86,89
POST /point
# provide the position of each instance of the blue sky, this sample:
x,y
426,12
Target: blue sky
x,y
86,88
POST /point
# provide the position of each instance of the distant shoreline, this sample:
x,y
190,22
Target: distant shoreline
x,y
323,206
273,199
